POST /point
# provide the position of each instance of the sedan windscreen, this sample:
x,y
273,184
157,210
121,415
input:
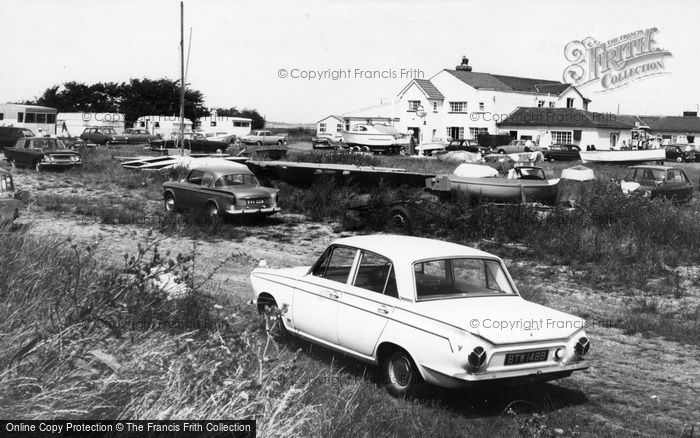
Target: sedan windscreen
x,y
459,277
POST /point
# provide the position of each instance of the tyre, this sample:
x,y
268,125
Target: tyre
x,y
272,317
213,213
37,166
279,143
258,143
400,374
679,159
13,164
501,151
169,203
399,220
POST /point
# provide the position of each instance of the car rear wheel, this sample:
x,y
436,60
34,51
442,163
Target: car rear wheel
x,y
37,166
13,164
258,143
169,203
213,213
401,374
279,142
679,159
501,151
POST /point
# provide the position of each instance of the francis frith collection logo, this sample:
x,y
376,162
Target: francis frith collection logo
x,y
614,63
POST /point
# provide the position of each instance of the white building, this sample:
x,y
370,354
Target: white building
x,y
383,113
461,103
40,119
166,126
331,125
73,124
224,125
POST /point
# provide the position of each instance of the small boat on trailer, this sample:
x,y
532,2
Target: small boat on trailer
x,y
522,184
171,161
376,138
304,174
623,156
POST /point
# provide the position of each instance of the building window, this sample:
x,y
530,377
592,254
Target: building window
x,y
30,118
481,106
157,125
540,103
455,132
413,105
212,123
561,136
20,117
339,127
569,102
51,118
474,132
321,127
2,116
458,107
434,107
551,104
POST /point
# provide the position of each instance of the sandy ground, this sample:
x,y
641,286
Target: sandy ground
x,y
635,384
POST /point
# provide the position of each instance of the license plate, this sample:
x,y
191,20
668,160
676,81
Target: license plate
x,y
530,356
255,202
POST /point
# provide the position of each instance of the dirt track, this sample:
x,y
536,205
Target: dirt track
x,y
637,385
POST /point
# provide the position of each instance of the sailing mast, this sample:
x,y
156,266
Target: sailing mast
x,y
182,79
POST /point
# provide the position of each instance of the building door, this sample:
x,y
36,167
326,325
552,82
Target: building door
x,y
415,135
614,137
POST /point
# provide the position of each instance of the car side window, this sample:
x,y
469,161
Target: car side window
x,y
375,274
338,264
195,177
206,179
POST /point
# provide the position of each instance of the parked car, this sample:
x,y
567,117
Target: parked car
x,y
194,141
562,152
9,204
10,134
517,146
103,135
658,181
327,141
424,310
139,135
263,138
469,146
679,154
220,188
42,153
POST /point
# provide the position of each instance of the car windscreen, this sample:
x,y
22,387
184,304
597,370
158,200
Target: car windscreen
x,y
236,179
460,277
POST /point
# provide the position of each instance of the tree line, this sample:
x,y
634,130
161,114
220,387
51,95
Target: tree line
x,y
135,98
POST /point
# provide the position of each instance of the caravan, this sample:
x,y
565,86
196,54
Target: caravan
x,y
165,126
223,128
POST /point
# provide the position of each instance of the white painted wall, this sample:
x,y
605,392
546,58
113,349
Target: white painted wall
x,y
600,138
329,125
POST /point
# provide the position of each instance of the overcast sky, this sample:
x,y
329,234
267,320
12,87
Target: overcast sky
x,y
239,47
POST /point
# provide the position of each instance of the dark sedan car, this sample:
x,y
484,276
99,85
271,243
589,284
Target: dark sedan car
x,y
10,134
679,154
658,182
220,188
194,142
42,153
466,145
9,204
562,152
139,135
102,135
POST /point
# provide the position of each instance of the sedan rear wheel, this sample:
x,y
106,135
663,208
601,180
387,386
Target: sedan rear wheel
x,y
37,166
401,374
213,213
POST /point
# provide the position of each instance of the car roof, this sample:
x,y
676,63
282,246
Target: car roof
x,y
408,249
218,166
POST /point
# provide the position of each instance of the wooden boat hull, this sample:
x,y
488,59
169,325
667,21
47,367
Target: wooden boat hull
x,y
630,156
498,189
304,174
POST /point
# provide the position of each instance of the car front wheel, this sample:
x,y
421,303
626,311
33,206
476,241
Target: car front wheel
x,y
400,374
679,159
169,203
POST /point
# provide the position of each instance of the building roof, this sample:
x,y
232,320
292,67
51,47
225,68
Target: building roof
x,y
408,249
429,89
508,83
565,117
677,124
338,118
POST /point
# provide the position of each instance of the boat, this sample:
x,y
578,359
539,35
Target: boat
x,y
304,174
172,161
623,156
378,138
522,184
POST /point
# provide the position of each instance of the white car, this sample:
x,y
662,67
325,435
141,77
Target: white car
x,y
425,311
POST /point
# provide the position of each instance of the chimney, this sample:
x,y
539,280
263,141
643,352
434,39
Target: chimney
x,y
464,66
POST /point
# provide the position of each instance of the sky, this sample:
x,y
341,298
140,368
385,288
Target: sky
x,y
245,53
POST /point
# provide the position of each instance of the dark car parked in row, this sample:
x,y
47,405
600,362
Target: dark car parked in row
x,y
102,135
42,153
139,135
468,146
562,152
195,142
10,134
9,204
658,182
220,189
679,154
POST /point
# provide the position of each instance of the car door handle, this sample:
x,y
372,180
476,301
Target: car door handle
x,y
334,294
383,310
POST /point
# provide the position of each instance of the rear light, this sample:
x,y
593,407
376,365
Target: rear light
x,y
582,346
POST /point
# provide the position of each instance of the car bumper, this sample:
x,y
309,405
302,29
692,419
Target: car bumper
x,y
239,212
464,379
59,164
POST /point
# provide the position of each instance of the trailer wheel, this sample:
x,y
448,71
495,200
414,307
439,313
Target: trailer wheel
x,y
399,220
